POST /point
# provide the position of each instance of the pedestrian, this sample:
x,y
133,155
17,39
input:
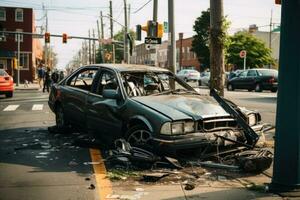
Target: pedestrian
x,y
41,73
54,77
47,80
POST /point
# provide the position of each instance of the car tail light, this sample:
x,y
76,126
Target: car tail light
x,y
7,78
272,80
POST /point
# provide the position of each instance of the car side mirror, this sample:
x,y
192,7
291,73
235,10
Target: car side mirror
x,y
111,94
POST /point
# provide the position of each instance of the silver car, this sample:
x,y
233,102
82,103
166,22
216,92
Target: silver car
x,y
204,79
189,75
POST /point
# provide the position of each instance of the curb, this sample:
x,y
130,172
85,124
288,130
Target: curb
x,y
24,89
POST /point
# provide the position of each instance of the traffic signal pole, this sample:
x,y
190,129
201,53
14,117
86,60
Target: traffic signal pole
x,y
171,39
286,170
18,65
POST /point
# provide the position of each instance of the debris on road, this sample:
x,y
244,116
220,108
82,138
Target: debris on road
x,y
92,187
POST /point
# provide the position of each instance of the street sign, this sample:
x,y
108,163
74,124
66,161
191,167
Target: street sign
x,y
166,30
151,40
243,53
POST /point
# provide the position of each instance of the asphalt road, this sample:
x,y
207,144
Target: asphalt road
x,y
36,164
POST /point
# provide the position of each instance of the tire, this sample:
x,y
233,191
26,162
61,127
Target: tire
x,y
60,119
230,87
258,88
199,83
274,90
186,80
139,136
250,90
9,95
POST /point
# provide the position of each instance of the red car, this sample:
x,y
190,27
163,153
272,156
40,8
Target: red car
x,y
6,84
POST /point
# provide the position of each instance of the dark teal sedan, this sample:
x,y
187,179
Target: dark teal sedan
x,y
146,106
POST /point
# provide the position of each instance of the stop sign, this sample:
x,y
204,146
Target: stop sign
x,y
243,53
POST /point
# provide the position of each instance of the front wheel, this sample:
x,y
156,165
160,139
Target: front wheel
x,y
139,136
230,87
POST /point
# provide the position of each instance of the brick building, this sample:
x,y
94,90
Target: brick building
x,y
31,52
158,56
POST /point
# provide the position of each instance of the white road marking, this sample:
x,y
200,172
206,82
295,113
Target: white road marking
x,y
37,107
11,108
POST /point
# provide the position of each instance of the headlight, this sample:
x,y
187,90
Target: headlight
x,y
189,127
252,119
177,128
166,129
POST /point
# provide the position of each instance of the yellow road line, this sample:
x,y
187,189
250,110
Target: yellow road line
x,y
103,183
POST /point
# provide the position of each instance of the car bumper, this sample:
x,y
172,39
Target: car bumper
x,y
6,88
270,86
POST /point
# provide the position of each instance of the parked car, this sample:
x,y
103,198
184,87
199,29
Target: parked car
x,y
137,102
6,84
255,79
204,79
189,75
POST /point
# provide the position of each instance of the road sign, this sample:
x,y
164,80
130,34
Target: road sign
x,y
151,40
166,30
243,53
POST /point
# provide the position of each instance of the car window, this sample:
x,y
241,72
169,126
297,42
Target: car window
x,y
108,80
148,83
251,73
83,79
243,74
268,72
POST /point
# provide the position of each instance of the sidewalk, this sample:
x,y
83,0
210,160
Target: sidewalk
x,y
31,86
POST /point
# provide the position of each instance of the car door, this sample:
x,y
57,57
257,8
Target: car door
x,y
104,114
75,95
251,79
239,81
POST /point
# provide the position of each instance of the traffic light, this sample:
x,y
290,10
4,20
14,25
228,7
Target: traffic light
x,y
277,1
64,38
160,30
47,37
15,63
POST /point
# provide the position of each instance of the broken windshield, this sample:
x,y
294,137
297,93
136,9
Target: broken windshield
x,y
152,83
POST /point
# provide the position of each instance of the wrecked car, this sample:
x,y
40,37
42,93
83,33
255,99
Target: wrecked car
x,y
149,107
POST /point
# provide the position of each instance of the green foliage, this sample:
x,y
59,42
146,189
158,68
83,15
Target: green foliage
x,y
200,44
119,36
258,54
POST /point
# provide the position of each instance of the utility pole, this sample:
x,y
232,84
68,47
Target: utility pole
x,y
90,57
270,35
180,50
100,43
286,170
46,45
216,46
126,53
112,30
171,39
155,10
94,48
102,25
18,81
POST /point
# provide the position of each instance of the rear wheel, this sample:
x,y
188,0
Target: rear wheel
x,y
230,87
274,90
186,80
9,95
199,83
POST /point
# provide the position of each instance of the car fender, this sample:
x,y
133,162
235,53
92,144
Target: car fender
x,y
141,119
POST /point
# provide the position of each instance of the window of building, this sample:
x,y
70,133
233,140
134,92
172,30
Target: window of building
x,y
2,35
21,35
24,60
19,15
3,64
2,14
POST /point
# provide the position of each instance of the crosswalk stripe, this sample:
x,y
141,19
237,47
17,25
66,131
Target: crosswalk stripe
x,y
11,108
37,107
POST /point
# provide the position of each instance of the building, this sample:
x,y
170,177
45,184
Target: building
x,y
158,55
31,52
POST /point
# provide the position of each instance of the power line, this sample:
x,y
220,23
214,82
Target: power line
x,y
142,7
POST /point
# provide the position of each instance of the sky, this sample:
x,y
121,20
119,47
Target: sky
x,y
77,17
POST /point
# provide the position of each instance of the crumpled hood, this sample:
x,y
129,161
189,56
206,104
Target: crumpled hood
x,y
179,107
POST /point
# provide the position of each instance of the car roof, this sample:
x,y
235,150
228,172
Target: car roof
x,y
131,67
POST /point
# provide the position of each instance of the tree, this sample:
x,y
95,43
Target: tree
x,y
200,44
51,57
258,54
